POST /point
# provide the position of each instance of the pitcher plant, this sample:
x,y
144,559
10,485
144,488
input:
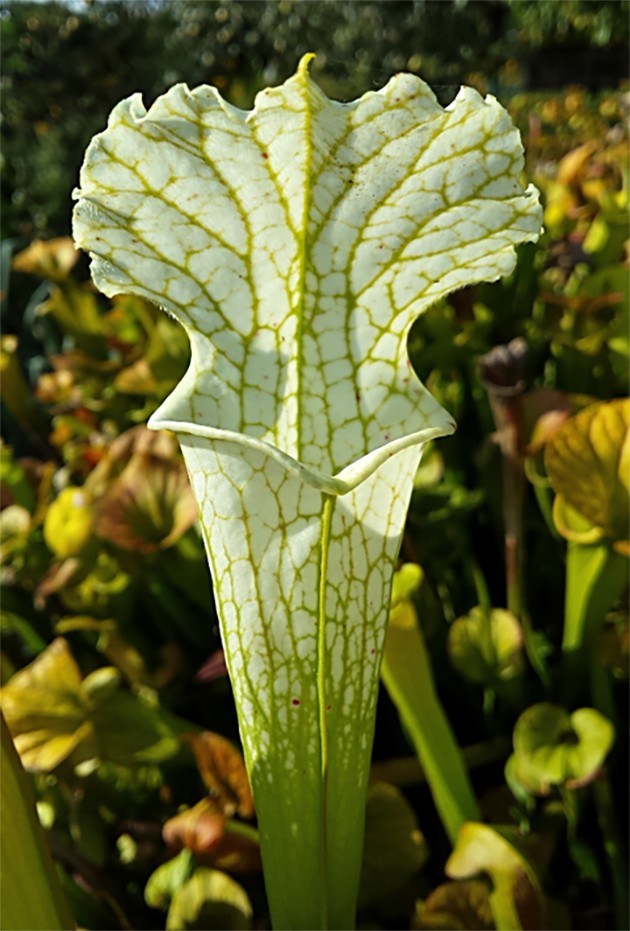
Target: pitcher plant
x,y
296,243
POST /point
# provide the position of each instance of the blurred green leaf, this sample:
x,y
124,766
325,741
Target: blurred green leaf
x,y
162,363
167,879
30,895
99,587
52,712
394,848
75,309
113,645
407,581
14,531
455,906
16,488
486,648
516,898
129,732
17,397
555,748
14,623
210,900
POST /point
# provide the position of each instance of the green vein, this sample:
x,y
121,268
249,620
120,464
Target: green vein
x,y
322,682
417,167
302,240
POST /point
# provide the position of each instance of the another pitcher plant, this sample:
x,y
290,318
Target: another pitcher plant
x,y
296,243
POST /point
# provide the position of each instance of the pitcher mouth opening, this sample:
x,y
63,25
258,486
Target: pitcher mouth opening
x,y
339,484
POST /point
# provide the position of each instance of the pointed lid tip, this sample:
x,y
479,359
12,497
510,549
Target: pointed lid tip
x,y
305,60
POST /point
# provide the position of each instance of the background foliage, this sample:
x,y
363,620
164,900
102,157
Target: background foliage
x,y
115,689
66,67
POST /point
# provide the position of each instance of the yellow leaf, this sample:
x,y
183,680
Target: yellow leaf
x,y
222,769
588,463
46,710
52,258
68,523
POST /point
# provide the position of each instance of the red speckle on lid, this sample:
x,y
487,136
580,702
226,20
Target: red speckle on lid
x,y
295,701
264,154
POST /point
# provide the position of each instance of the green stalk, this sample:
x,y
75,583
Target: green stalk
x,y
505,403
407,676
503,905
617,864
513,499
513,496
30,893
596,577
